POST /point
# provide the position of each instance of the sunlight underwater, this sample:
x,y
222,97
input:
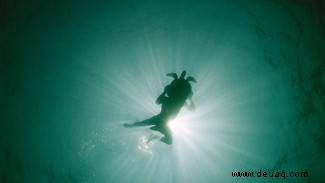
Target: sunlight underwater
x,y
205,142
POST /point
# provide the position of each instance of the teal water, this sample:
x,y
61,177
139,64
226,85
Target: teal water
x,y
72,72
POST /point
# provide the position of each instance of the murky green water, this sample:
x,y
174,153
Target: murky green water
x,y
72,72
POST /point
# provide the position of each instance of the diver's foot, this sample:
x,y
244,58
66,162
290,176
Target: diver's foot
x,y
152,136
128,125
156,128
166,140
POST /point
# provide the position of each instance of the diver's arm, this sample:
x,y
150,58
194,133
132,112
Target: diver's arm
x,y
190,104
160,98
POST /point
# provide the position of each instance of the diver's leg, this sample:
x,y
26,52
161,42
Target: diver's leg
x,y
147,122
168,137
164,129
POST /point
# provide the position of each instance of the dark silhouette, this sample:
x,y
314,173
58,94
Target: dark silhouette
x,y
175,96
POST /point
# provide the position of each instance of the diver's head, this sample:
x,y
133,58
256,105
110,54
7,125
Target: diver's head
x,y
180,88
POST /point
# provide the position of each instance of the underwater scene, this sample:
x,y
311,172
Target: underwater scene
x,y
152,91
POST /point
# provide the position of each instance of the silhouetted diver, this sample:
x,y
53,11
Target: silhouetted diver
x,y
178,92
